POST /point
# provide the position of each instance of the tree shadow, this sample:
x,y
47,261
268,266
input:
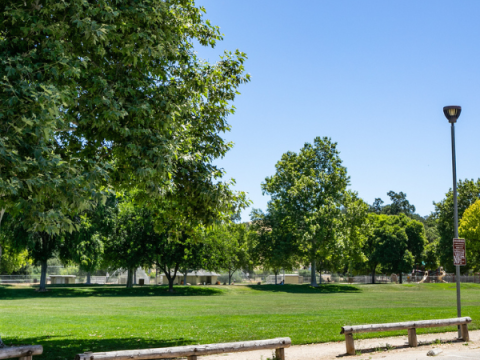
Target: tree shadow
x,y
10,292
307,289
69,346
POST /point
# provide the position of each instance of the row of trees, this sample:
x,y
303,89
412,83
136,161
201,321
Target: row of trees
x,y
312,218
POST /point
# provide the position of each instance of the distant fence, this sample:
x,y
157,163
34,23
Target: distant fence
x,y
263,279
19,279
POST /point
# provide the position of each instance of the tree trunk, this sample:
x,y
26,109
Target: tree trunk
x,y
185,277
373,275
88,278
401,280
135,277
129,278
170,284
229,277
43,277
313,280
170,278
320,272
276,279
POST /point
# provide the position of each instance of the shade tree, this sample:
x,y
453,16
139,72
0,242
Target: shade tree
x,y
106,94
310,187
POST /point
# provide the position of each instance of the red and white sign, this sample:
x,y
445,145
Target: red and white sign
x,y
459,252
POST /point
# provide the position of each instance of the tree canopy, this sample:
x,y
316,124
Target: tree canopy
x,y
111,92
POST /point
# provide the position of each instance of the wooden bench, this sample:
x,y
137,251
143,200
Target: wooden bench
x,y
22,352
411,326
192,351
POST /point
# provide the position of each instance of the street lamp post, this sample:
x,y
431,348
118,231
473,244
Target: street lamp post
x,y
452,113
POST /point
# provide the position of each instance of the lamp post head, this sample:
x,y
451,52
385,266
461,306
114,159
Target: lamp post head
x,y
452,113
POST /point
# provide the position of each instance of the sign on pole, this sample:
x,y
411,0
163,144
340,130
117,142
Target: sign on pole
x,y
459,252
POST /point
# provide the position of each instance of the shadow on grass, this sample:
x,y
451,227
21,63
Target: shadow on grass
x,y
307,289
10,292
69,346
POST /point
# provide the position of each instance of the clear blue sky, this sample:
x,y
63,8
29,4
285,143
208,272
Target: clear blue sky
x,y
372,75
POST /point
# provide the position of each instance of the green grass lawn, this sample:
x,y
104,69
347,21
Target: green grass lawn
x,y
71,320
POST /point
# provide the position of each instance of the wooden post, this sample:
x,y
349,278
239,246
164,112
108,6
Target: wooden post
x,y
192,357
412,337
280,354
349,343
464,329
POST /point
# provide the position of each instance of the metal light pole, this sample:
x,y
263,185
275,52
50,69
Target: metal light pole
x,y
452,113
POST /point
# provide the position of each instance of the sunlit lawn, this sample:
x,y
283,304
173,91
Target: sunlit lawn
x,y
71,320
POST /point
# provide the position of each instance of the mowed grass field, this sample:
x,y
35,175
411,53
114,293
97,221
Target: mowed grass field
x,y
71,320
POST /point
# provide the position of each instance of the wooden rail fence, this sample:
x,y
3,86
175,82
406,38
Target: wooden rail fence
x,y
192,351
411,326
22,352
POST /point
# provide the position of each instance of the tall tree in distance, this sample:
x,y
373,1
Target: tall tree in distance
x,y
377,206
399,205
310,188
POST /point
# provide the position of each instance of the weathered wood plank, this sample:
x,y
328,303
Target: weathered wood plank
x,y
186,351
20,351
464,330
350,344
280,354
405,325
25,358
193,357
412,337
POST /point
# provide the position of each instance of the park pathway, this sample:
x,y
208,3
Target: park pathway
x,y
375,349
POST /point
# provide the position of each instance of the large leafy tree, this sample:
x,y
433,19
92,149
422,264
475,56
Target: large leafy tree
x,y
468,194
310,187
107,92
470,229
